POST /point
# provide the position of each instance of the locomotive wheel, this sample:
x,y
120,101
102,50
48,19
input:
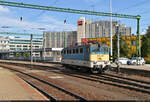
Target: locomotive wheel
x,y
95,70
106,69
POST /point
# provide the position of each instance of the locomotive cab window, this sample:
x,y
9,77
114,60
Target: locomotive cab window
x,y
95,50
106,50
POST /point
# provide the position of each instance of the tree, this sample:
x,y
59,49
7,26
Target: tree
x,y
145,49
124,50
26,54
18,55
114,47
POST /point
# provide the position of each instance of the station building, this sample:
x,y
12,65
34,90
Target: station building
x,y
18,43
4,44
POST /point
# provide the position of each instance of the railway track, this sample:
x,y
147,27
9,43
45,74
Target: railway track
x,y
36,82
136,85
115,80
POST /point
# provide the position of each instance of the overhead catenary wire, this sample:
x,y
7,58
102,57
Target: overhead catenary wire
x,y
25,34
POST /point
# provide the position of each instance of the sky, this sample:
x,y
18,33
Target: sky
x,y
38,21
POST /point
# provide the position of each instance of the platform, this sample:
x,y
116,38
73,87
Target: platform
x,y
143,70
145,67
14,88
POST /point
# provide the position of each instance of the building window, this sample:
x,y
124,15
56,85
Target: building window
x,y
36,46
3,45
12,45
18,45
12,48
36,54
133,42
24,45
18,49
24,48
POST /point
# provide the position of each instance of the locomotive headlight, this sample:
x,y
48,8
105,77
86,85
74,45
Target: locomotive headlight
x,y
94,62
107,62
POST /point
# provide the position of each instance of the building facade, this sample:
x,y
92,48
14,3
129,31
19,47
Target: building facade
x,y
4,44
101,28
17,43
59,40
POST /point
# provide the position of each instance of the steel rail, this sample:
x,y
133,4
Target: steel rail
x,y
141,81
104,79
123,81
120,81
49,96
110,83
53,85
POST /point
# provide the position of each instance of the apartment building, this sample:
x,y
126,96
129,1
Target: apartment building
x,y
59,40
100,28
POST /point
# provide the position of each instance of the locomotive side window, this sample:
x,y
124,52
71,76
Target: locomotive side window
x,y
77,50
62,52
81,50
67,51
74,51
71,51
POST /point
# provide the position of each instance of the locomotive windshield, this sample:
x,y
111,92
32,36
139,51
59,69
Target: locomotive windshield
x,y
100,50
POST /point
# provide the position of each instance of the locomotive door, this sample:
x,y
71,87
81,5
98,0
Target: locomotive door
x,y
86,53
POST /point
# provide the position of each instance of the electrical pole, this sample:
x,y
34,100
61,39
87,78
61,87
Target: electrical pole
x,y
31,48
64,39
138,45
111,51
118,48
44,44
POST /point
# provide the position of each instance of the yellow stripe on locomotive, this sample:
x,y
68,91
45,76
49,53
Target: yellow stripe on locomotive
x,y
99,57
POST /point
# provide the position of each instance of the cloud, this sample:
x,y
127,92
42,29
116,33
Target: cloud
x,y
60,24
47,23
4,9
